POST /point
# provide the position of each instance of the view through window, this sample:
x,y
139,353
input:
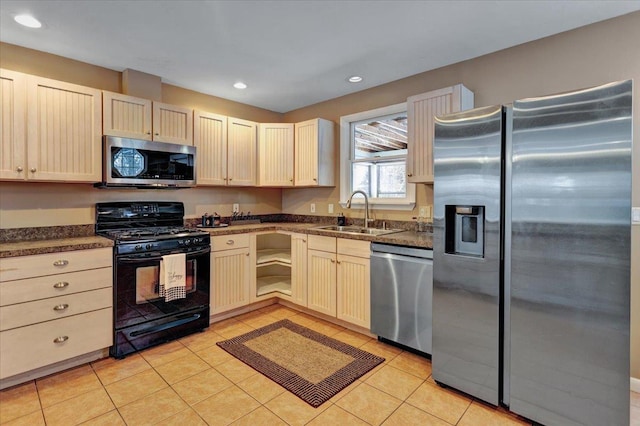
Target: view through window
x,y
379,156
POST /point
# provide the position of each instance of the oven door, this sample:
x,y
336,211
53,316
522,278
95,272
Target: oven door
x,y
142,317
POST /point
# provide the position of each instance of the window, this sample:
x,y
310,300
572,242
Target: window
x,y
374,158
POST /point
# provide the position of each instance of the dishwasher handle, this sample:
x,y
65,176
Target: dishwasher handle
x,y
401,250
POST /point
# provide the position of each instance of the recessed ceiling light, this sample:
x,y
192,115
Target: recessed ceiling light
x,y
354,79
240,85
27,21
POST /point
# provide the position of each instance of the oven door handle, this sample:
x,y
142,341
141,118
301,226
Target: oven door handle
x,y
132,259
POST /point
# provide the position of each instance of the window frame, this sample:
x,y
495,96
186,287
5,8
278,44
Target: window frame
x,y
346,152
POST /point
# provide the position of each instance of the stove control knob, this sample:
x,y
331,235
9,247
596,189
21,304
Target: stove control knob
x,y
138,247
148,246
187,241
180,242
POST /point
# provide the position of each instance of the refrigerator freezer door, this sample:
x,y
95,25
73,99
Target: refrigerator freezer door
x,y
466,293
570,251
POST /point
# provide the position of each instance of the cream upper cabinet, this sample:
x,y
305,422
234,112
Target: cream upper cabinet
x,y
64,131
210,140
241,152
13,141
421,110
172,124
275,154
314,153
50,130
126,116
131,117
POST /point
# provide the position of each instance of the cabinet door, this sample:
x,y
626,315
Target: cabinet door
x,y
210,139
321,282
241,160
353,290
421,110
64,123
229,279
299,269
13,141
172,124
314,153
126,116
275,154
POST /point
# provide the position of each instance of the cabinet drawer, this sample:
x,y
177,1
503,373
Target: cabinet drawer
x,y
22,314
317,242
15,268
354,247
227,242
31,289
26,348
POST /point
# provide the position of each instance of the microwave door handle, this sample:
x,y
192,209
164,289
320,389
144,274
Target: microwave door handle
x,y
132,259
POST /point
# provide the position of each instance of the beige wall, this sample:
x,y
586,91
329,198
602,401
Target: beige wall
x,y
588,56
38,204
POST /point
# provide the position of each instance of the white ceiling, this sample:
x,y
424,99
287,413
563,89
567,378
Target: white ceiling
x,y
290,53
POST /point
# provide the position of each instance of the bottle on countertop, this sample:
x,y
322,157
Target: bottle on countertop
x,y
342,221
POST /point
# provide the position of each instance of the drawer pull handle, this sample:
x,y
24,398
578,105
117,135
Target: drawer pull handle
x,y
61,263
60,339
61,284
60,307
230,242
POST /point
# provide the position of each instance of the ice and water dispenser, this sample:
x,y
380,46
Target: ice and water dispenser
x,y
464,230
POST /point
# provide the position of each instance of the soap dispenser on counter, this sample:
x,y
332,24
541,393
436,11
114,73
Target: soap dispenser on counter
x,y
342,221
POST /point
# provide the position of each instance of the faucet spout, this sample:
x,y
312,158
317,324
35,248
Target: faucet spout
x,y
366,206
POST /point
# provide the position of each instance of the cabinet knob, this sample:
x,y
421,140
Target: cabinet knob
x,y
230,179
60,307
60,339
61,284
157,134
148,133
230,242
333,261
409,174
33,170
19,169
304,241
291,180
315,179
61,262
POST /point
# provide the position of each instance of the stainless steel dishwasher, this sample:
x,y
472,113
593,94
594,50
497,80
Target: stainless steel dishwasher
x,y
401,294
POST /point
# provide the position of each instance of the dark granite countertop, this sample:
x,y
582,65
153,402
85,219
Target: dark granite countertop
x,y
27,248
54,245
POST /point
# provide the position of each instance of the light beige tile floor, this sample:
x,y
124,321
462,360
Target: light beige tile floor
x,y
193,382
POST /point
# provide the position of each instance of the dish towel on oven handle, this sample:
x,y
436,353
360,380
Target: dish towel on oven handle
x,y
173,283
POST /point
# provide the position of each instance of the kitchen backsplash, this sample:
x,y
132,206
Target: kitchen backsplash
x,y
71,231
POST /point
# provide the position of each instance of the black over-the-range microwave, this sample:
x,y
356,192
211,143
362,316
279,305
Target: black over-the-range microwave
x,y
145,164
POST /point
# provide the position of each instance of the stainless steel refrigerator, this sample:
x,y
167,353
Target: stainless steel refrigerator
x,y
532,252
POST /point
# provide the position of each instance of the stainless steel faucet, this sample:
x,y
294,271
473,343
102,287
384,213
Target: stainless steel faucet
x,y
366,206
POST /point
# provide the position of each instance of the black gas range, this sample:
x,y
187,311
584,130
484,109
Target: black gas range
x,y
143,233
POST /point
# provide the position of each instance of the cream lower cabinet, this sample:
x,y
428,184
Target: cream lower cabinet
x,y
421,110
280,266
230,272
54,307
338,278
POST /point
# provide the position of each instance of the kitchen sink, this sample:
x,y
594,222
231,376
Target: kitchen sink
x,y
356,230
